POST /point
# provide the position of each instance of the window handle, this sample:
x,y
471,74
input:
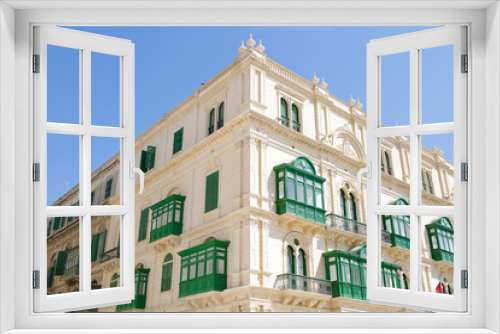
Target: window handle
x,y
366,170
134,170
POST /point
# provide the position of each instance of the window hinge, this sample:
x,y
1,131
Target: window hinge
x,y
465,279
465,64
36,63
464,170
36,172
36,279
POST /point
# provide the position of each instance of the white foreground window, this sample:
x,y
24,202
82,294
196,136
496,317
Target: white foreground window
x,y
415,46
79,255
480,306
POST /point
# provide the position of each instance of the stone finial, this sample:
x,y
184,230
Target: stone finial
x,y
260,47
323,83
250,42
315,79
352,102
359,105
242,47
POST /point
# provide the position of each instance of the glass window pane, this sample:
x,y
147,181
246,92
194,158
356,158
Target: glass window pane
x,y
395,89
437,84
220,266
105,90
63,85
63,265
63,170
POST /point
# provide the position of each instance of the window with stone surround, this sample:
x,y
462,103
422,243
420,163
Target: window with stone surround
x,y
178,137
143,225
166,273
109,185
211,122
220,120
212,192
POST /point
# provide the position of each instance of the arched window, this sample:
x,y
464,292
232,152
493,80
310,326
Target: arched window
x,y
352,207
429,182
424,184
211,122
166,276
295,118
284,113
301,263
343,206
290,260
388,163
220,121
115,281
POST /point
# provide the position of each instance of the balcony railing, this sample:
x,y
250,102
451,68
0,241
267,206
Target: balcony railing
x,y
303,283
346,224
220,124
350,225
211,129
111,254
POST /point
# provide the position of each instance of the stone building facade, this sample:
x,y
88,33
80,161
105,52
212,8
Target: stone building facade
x,y
251,203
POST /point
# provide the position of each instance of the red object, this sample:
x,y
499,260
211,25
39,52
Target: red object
x,y
439,288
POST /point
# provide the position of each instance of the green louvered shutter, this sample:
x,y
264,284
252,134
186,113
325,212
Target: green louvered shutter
x,y
102,237
151,157
144,157
143,224
166,282
56,223
95,241
61,261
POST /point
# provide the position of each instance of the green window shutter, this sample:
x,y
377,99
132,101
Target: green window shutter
x,y
102,243
49,227
166,277
92,197
388,162
61,261
144,156
290,260
343,205
178,140
95,242
109,185
57,220
220,122
284,109
143,224
353,207
212,192
295,118
151,157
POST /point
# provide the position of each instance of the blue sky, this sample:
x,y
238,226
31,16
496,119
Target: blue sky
x,y
172,62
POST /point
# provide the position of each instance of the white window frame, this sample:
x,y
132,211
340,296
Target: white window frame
x,y
15,46
413,44
85,43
